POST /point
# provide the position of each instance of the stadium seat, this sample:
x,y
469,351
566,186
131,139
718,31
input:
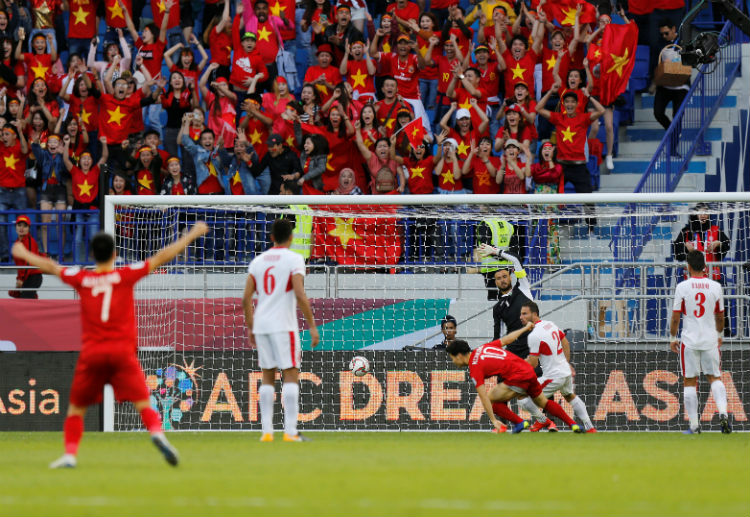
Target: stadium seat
x,y
639,76
627,111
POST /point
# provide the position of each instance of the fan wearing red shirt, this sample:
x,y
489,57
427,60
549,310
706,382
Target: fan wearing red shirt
x,y
518,380
109,336
117,110
572,128
324,76
482,167
38,63
519,61
403,11
85,181
359,70
448,170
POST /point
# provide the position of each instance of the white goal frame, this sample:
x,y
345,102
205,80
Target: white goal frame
x,y
111,202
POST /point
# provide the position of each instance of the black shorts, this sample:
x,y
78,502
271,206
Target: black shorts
x,y
54,194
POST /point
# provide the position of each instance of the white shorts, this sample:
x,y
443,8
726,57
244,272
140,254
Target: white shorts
x,y
359,13
693,362
280,350
562,384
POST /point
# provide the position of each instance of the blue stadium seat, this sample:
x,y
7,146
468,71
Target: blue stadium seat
x,y
639,77
627,111
593,168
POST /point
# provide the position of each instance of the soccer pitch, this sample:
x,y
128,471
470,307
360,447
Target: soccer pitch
x,y
340,473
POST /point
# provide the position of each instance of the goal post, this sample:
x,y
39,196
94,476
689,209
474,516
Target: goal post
x,y
382,273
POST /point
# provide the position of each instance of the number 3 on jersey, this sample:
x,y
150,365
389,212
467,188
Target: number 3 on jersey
x,y
700,299
105,289
269,281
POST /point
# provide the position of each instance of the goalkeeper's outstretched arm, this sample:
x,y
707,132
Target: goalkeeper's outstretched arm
x,y
523,282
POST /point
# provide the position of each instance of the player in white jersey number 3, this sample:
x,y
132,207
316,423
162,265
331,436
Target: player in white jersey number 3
x,y
699,299
549,347
277,278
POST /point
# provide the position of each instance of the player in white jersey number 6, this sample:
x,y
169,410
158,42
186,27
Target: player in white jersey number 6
x,y
549,347
277,279
699,299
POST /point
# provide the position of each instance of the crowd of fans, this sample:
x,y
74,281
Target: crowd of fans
x,y
255,97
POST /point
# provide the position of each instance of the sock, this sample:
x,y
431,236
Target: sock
x,y
290,396
554,409
265,393
151,420
691,405
72,433
502,410
720,396
579,408
533,409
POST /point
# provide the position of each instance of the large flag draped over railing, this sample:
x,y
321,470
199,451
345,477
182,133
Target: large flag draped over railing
x,y
618,47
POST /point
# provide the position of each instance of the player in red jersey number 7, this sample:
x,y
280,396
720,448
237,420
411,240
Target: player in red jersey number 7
x,y
518,380
109,335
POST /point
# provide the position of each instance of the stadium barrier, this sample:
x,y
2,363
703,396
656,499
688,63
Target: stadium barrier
x,y
624,390
34,391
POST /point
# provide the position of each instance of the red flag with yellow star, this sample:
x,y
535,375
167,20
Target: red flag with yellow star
x,y
357,235
159,10
415,132
618,59
564,11
113,14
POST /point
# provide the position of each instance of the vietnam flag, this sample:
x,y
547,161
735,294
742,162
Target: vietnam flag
x,y
82,19
415,132
564,11
159,8
618,59
350,237
114,15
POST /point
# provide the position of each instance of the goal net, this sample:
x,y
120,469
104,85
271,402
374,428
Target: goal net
x,y
383,271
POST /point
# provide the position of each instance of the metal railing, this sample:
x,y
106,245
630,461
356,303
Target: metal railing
x,y
685,138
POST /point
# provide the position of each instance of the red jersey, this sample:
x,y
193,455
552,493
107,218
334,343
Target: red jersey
x,y
420,175
382,111
445,72
82,19
571,135
519,71
153,53
257,134
482,181
114,15
220,46
358,76
13,166
489,83
464,142
462,42
191,76
246,66
549,58
405,73
88,109
37,65
409,12
85,184
491,359
268,43
107,307
30,244
428,72
145,183
289,8
332,77
446,180
116,120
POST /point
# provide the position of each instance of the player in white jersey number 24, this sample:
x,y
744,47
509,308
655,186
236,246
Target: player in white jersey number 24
x,y
277,280
549,348
699,299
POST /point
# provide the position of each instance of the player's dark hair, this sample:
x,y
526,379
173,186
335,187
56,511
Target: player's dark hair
x,y
102,247
533,307
696,261
459,346
448,319
281,230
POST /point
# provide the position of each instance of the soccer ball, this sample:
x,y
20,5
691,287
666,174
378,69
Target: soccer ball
x,y
359,365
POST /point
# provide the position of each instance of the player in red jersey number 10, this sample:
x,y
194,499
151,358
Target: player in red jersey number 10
x,y
109,336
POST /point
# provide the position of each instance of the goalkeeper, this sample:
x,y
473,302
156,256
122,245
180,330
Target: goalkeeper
x,y
500,234
507,310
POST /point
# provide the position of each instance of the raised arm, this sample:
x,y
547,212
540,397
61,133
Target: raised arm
x,y
168,54
129,21
510,337
165,21
447,116
105,151
165,255
598,108
46,265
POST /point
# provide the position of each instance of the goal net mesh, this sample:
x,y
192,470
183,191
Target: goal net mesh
x,y
382,276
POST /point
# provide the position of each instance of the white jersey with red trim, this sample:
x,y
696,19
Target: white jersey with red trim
x,y
276,308
545,342
698,299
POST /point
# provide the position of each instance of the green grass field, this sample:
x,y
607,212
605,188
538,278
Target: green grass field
x,y
225,474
